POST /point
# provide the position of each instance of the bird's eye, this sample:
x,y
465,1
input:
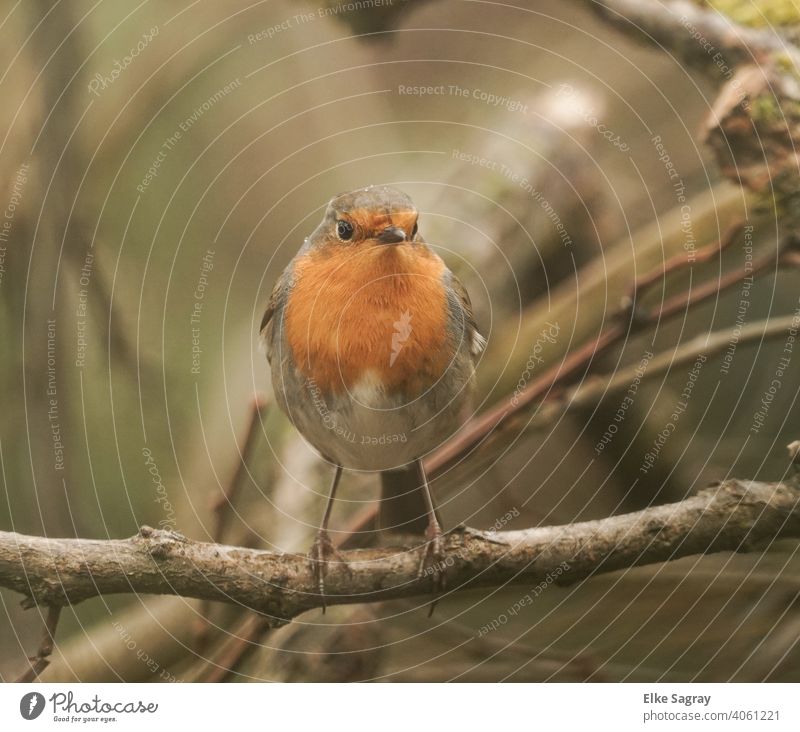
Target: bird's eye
x,y
344,230
414,230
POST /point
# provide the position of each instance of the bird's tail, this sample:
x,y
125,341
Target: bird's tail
x,y
403,509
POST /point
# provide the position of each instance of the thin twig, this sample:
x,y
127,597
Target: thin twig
x,y
681,302
629,320
41,660
237,649
223,504
592,391
682,261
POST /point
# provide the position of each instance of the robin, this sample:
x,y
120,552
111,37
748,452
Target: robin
x,y
372,347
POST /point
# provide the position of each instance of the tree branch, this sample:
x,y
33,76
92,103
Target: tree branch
x,y
693,33
752,127
736,515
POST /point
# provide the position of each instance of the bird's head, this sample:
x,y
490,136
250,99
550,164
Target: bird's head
x,y
377,216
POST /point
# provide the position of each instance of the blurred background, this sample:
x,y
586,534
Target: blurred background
x,y
161,164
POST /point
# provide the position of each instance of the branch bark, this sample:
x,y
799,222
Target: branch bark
x,y
753,126
736,515
693,33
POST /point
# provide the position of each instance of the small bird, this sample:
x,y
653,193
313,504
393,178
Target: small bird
x,y
372,346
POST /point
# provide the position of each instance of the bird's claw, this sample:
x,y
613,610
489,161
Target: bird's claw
x,y
433,562
322,551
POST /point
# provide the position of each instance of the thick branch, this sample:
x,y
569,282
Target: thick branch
x,y
753,125
736,515
694,33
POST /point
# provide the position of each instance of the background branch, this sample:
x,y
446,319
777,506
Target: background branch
x,y
693,33
629,320
593,390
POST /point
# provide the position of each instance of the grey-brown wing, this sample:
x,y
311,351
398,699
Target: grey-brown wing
x,y
273,313
476,341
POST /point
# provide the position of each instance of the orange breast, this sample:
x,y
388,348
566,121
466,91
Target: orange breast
x,y
376,312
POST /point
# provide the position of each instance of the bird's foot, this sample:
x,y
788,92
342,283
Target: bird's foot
x,y
322,551
433,562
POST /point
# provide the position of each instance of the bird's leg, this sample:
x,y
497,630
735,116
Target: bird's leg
x,y
322,548
432,561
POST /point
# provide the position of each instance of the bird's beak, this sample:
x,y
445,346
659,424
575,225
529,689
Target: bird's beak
x,y
392,235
